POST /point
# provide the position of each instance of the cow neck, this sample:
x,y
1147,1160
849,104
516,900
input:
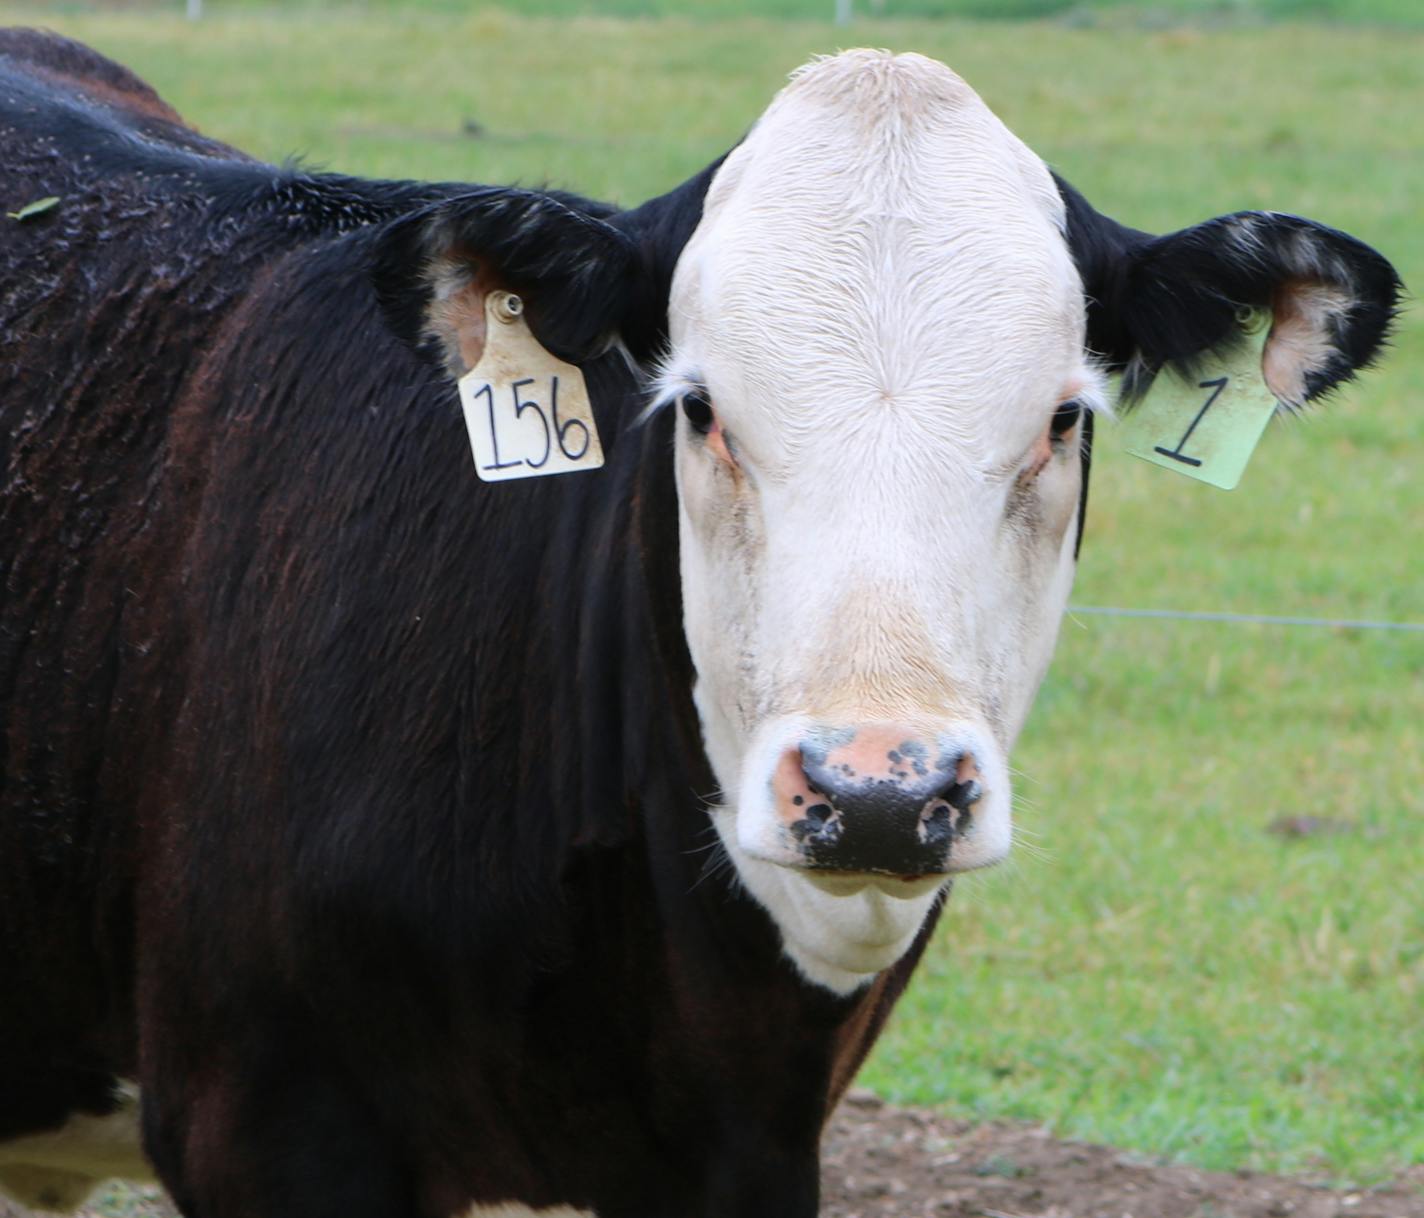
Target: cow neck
x,y
633,673
634,695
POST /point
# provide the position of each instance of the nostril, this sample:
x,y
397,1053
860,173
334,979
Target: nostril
x,y
962,795
937,824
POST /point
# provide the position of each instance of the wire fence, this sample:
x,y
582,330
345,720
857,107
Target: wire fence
x,y
844,10
1252,619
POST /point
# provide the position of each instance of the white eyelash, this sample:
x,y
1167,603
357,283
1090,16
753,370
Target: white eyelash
x,y
672,379
1093,397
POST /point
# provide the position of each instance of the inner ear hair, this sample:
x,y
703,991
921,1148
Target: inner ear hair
x,y
433,268
1304,350
1331,297
455,315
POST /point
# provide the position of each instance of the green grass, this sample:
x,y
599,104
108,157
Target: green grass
x,y
1150,13
1158,971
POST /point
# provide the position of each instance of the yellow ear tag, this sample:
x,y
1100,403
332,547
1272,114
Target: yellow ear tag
x,y
527,413
1206,427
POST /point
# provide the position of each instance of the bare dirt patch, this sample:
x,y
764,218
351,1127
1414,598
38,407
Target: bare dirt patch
x,y
887,1162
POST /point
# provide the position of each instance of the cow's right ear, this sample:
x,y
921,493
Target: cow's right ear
x,y
434,267
1170,300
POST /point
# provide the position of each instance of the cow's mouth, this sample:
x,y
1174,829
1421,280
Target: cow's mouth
x,y
852,883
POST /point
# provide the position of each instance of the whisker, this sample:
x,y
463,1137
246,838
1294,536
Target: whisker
x,y
717,863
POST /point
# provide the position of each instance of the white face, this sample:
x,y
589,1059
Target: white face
x,y
877,536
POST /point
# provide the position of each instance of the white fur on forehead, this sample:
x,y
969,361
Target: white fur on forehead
x,y
880,236
909,96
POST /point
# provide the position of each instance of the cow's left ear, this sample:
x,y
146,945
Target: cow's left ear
x,y
1154,301
433,268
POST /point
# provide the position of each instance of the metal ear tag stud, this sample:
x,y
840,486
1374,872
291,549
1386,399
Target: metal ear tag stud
x,y
527,413
1206,427
506,306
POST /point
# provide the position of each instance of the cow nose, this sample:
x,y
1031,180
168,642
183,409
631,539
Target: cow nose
x,y
875,799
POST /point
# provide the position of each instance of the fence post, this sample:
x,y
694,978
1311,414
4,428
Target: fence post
x,y
195,9
843,14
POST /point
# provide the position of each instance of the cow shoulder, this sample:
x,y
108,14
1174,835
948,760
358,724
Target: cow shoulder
x,y
73,65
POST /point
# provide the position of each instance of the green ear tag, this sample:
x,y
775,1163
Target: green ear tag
x,y
1206,427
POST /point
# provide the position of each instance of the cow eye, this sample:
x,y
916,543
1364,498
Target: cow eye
x,y
1065,418
697,406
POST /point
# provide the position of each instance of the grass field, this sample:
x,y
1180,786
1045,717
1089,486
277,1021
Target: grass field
x,y
1088,13
1158,970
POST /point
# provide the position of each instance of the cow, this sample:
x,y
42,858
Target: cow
x,y
376,840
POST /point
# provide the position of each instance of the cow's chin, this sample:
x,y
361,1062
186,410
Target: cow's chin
x,y
838,928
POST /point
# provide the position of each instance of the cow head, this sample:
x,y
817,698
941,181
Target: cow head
x,y
884,326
